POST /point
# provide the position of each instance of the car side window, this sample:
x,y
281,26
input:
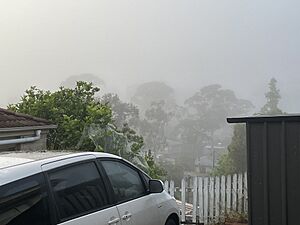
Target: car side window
x,y
126,182
24,202
78,190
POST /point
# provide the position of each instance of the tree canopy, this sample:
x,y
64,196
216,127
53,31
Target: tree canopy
x,y
122,112
72,109
85,123
150,92
235,161
206,113
212,104
273,97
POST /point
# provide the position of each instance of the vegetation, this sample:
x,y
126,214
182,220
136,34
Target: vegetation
x,y
153,127
150,92
235,217
72,109
88,121
273,97
154,170
235,160
206,113
184,131
122,112
84,123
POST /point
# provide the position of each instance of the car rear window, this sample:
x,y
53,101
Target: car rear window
x,y
78,190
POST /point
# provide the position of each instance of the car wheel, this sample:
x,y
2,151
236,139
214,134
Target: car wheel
x,y
171,222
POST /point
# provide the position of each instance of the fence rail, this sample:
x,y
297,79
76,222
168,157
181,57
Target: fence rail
x,y
208,199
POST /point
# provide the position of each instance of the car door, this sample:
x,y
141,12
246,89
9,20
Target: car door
x,y
135,205
80,195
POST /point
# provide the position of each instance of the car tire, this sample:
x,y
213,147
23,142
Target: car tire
x,y
171,222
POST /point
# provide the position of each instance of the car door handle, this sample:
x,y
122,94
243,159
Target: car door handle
x,y
127,216
114,221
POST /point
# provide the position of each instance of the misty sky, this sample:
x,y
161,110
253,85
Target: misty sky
x,y
239,44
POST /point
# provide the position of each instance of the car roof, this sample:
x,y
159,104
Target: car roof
x,y
18,165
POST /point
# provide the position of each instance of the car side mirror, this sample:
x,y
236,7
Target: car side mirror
x,y
155,186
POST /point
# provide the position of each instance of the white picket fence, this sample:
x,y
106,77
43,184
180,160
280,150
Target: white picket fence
x,y
211,198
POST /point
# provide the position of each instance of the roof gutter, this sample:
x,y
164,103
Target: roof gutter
x,y
22,140
27,128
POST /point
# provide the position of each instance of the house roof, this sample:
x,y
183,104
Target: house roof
x,y
265,118
15,121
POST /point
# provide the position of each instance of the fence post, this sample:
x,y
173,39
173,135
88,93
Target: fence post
x,y
183,199
172,188
205,194
234,193
217,199
245,193
223,195
195,192
240,192
166,186
200,194
211,198
228,194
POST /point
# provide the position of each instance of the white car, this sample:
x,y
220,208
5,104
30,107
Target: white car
x,y
80,189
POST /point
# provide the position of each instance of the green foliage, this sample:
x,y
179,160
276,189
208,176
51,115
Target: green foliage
x,y
235,161
126,115
155,171
238,148
84,123
225,166
273,97
71,109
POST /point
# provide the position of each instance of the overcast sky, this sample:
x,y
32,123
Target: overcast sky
x,y
239,44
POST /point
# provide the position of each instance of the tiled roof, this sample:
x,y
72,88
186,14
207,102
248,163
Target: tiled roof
x,y
9,119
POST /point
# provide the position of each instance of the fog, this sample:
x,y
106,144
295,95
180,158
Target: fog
x,y
188,44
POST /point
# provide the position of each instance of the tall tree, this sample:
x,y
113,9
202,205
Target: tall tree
x,y
235,161
150,92
212,104
202,121
273,97
153,127
208,109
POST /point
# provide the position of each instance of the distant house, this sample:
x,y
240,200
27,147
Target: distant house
x,y
23,132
